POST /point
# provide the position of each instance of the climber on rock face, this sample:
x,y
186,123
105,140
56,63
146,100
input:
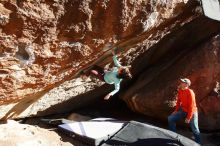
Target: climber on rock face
x,y
185,108
113,76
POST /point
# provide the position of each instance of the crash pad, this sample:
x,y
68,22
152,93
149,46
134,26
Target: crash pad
x,y
91,132
211,9
139,134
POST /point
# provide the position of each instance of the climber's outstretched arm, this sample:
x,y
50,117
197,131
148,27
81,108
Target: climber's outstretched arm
x,y
116,62
113,51
117,88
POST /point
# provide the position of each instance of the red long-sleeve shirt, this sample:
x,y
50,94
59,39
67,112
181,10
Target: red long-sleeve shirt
x,y
186,100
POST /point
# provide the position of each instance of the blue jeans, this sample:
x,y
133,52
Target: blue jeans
x,y
173,118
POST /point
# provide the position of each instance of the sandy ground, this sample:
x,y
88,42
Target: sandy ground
x,y
14,134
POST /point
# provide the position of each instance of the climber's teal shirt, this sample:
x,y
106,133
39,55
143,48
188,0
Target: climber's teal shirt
x,y
111,76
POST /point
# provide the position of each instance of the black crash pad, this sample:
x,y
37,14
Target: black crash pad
x,y
139,134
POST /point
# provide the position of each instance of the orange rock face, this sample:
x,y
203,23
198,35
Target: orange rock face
x,y
45,42
44,45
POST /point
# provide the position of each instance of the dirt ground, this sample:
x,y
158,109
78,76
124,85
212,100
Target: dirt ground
x,y
13,133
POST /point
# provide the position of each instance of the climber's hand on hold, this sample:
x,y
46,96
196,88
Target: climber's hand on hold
x,y
113,51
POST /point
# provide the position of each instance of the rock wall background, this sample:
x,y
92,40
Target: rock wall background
x,y
44,45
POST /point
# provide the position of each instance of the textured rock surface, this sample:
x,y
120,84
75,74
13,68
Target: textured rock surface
x,y
46,43
26,135
154,91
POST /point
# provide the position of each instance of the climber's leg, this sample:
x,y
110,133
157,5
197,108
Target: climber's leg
x,y
98,72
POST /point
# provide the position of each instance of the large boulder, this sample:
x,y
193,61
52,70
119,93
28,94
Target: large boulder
x,y
155,90
45,43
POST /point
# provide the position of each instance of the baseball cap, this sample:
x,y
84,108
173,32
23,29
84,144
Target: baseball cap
x,y
187,81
